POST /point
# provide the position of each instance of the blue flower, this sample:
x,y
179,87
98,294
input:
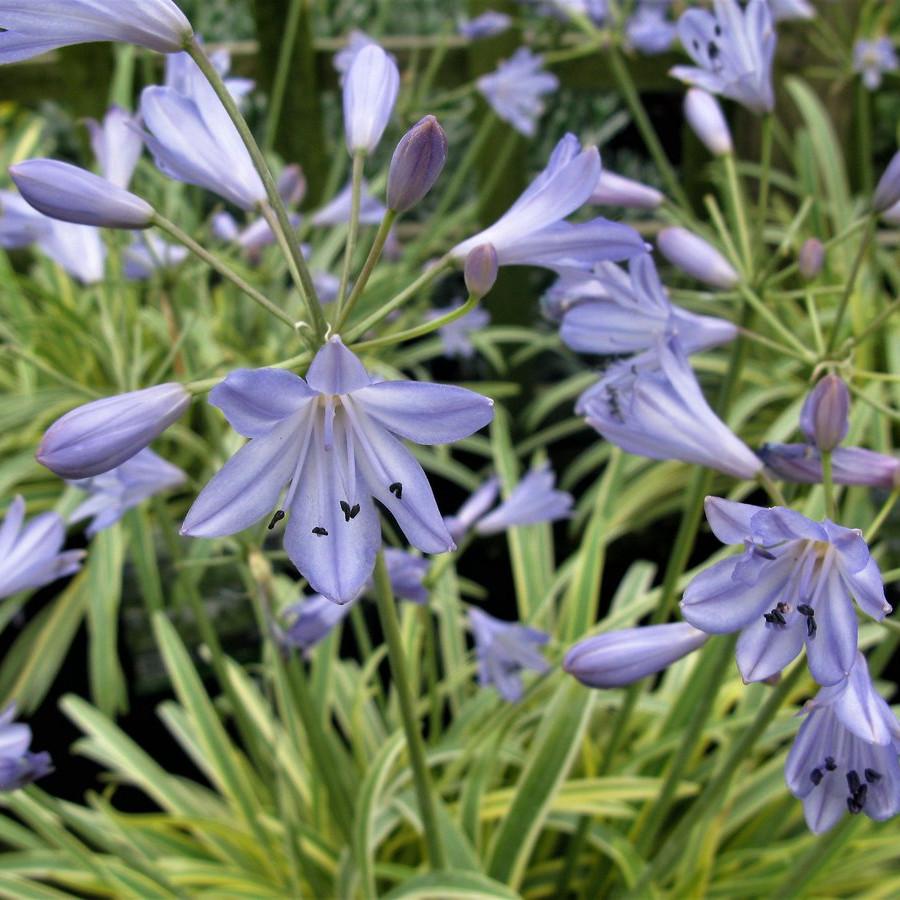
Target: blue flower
x,y
31,555
534,499
455,336
649,29
515,89
734,49
802,464
794,585
117,144
113,493
337,211
334,438
18,766
488,24
872,59
785,10
845,755
473,509
503,650
370,92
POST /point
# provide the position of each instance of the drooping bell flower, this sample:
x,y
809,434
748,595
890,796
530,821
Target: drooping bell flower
x,y
697,258
111,494
534,499
872,59
802,464
504,650
733,48
333,437
516,88
31,554
18,765
532,231
619,658
845,756
370,92
101,435
117,144
32,27
794,585
653,406
65,192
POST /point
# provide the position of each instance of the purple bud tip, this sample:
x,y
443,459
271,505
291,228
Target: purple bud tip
x,y
481,269
887,192
824,418
417,163
811,258
697,258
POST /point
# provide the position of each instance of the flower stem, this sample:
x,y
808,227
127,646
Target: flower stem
x,y
279,85
387,612
828,484
883,513
739,211
768,127
359,160
851,281
306,287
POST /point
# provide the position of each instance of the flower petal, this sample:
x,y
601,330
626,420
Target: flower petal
x,y
730,521
337,370
832,651
256,400
867,589
764,648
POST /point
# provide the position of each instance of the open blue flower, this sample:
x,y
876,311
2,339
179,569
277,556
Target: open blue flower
x,y
794,585
534,499
515,89
18,765
334,437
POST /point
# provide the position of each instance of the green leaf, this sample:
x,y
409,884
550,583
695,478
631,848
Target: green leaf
x,y
451,886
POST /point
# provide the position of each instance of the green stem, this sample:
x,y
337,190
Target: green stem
x,y
387,611
739,211
225,271
768,124
851,281
786,272
883,513
306,287
359,161
875,324
760,307
828,484
279,85
864,133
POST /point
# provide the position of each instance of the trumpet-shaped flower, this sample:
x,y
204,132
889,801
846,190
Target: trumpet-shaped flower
x,y
844,758
872,59
117,144
802,464
504,650
534,499
18,765
515,89
32,27
794,584
338,210
734,49
473,509
31,555
629,313
370,92
111,494
653,406
532,231
334,438
618,658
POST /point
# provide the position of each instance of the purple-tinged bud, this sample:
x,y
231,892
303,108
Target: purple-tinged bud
x,y
99,436
811,258
65,192
370,92
825,417
802,464
697,258
292,185
707,121
887,191
417,164
481,269
619,658
616,190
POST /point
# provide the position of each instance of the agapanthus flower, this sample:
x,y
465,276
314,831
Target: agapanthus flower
x,y
532,231
18,765
515,90
785,10
707,121
111,494
78,249
597,11
872,59
653,406
618,658
117,144
845,756
148,253
488,24
20,223
504,650
193,140
802,464
184,76
887,191
475,507
617,190
370,92
630,312
31,554
333,437
794,584
416,165
825,416
534,499
734,49
337,211
343,59
649,30
455,336
32,27
697,257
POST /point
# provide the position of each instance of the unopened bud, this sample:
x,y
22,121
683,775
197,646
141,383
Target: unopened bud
x,y
99,436
707,121
481,269
370,92
65,192
616,190
811,258
825,417
887,192
697,258
417,163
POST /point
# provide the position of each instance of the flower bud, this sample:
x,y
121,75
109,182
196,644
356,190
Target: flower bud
x,y
619,658
887,191
707,121
65,192
811,258
802,464
481,269
697,258
370,92
616,190
99,436
416,165
825,417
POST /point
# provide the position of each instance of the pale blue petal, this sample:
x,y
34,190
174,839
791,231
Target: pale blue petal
x,y
336,370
